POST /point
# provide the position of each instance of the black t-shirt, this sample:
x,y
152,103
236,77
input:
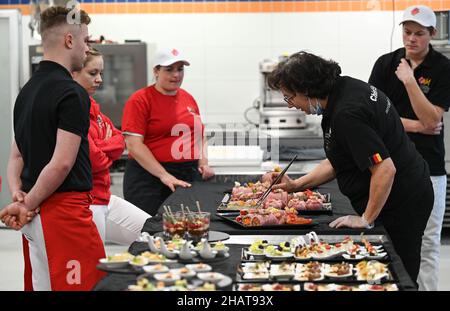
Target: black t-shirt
x,y
433,78
361,128
49,101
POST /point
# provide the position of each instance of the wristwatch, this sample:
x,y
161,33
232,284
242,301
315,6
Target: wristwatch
x,y
366,223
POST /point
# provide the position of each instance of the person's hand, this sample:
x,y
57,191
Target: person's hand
x,y
350,221
172,182
18,196
271,176
287,184
108,131
436,130
206,171
404,71
16,215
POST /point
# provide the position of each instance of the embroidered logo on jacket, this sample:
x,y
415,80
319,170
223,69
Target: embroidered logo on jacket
x,y
424,84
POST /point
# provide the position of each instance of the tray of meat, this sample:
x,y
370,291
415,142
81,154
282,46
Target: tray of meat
x,y
244,197
270,218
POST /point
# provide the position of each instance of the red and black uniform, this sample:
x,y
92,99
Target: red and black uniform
x,y
102,153
173,131
64,233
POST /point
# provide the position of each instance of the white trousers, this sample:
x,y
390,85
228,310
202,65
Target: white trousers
x,y
428,278
120,221
38,255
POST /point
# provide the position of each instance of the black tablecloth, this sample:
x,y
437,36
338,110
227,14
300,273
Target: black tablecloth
x,y
211,193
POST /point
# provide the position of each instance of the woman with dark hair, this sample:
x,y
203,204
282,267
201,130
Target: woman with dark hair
x,y
376,166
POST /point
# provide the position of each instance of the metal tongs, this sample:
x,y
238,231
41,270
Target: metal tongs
x,y
267,192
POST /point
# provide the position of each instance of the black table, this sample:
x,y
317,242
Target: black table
x,y
210,194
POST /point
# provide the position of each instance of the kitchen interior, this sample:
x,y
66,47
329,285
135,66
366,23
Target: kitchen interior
x,y
249,128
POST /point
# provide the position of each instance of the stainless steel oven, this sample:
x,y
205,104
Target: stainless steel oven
x,y
125,72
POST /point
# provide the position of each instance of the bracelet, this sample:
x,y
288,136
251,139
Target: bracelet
x,y
366,223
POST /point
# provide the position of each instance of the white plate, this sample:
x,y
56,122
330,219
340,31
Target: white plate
x,y
251,267
167,278
272,287
377,277
114,264
280,257
256,256
300,277
318,287
199,267
282,274
250,287
186,274
355,257
324,256
212,277
256,276
327,272
378,256
374,287
155,269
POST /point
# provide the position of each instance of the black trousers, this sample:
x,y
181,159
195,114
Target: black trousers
x,y
147,191
406,225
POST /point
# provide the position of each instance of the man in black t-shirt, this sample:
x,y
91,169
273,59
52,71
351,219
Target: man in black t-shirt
x,y
377,167
49,168
417,80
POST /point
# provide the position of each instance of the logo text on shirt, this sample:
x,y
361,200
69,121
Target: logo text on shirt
x,y
373,93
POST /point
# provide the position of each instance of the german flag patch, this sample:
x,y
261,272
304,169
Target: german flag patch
x,y
375,159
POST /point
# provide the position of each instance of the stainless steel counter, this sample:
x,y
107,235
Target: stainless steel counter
x,y
300,167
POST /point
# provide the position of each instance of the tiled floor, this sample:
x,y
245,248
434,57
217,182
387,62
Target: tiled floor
x,y
11,262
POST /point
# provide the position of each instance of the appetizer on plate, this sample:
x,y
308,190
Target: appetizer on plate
x,y
212,277
199,267
159,268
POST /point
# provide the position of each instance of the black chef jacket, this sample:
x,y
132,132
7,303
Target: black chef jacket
x,y
361,128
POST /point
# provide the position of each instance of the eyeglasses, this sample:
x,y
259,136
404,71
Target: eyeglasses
x,y
288,99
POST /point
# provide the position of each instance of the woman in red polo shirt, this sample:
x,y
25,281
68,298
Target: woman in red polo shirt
x,y
164,136
117,220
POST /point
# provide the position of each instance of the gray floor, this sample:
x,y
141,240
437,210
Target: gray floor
x,y
11,262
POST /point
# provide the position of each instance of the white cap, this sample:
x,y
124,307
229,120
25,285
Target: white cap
x,y
167,57
420,14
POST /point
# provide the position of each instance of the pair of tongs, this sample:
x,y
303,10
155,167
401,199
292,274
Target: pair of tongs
x,y
276,180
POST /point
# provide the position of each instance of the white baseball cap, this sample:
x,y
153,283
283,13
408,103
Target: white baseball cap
x,y
420,14
167,57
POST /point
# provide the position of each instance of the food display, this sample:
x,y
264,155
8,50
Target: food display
x,y
312,264
246,196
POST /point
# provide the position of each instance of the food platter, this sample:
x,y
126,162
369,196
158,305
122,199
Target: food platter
x,y
232,219
243,197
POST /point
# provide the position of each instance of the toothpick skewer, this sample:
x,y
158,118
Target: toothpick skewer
x,y
165,209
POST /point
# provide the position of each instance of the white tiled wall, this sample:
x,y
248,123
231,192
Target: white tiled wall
x,y
225,49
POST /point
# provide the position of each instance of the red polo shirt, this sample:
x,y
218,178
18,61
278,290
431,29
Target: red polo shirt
x,y
170,124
